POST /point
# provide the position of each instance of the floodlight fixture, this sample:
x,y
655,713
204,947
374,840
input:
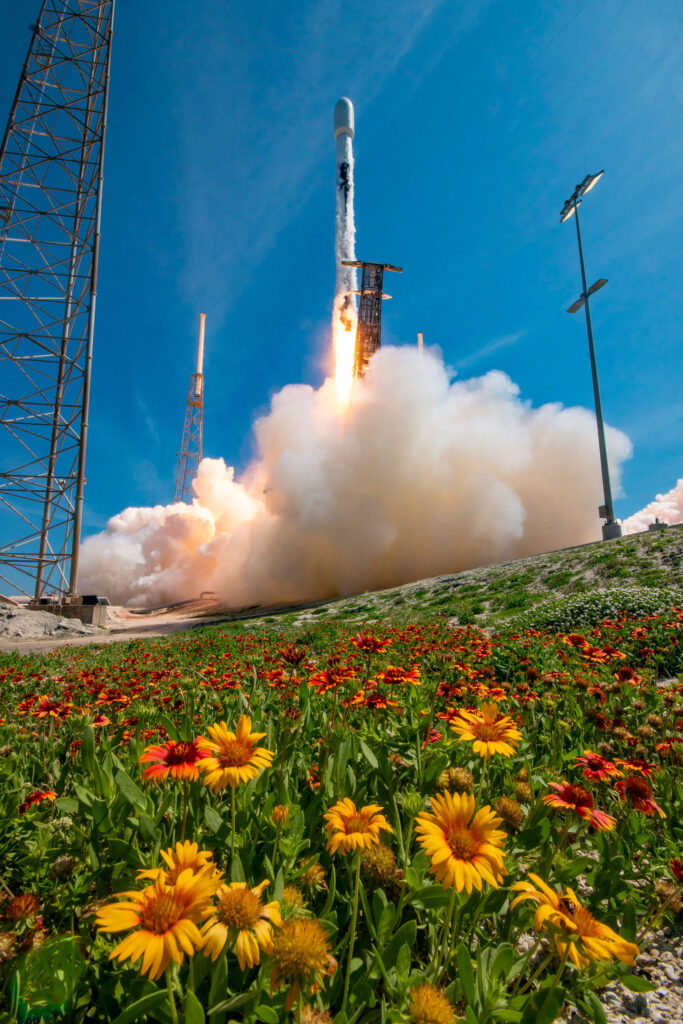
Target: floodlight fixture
x,y
600,283
589,182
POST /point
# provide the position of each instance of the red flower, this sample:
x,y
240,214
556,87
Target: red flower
x,y
330,679
578,799
175,758
596,767
35,798
677,868
394,675
635,764
637,790
370,644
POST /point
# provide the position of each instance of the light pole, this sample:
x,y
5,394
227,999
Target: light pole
x,y
610,528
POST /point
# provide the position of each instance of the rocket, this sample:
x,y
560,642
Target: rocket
x,y
345,231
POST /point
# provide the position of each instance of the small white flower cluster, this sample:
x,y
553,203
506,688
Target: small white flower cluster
x,y
583,611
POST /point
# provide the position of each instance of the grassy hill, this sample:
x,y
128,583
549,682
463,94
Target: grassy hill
x,y
639,571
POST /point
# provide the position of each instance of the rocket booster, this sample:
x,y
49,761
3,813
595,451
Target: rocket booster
x,y
345,231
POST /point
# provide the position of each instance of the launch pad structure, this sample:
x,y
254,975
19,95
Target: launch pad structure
x,y
369,329
51,162
191,445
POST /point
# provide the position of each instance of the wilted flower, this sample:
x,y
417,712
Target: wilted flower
x,y
571,926
427,1005
301,957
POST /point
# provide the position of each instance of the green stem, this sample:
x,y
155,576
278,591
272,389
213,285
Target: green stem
x,y
232,838
541,967
527,958
444,933
171,998
484,772
352,932
182,829
556,979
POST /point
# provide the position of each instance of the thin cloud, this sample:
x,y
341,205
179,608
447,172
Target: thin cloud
x,y
504,341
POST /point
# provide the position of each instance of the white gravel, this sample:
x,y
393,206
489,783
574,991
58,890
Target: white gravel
x,y
22,623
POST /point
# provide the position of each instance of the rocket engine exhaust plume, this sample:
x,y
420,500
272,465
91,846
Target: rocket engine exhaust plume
x,y
419,475
344,310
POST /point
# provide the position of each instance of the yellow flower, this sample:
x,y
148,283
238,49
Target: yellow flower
x,y
240,916
350,829
232,757
464,849
180,858
490,731
300,955
429,1006
573,927
165,918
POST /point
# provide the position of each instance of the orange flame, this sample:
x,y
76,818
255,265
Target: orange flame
x,y
344,346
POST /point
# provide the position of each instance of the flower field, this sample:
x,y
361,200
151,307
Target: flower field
x,y
420,823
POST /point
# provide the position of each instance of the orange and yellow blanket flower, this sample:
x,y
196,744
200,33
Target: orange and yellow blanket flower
x,y
465,847
240,916
489,731
165,920
571,927
351,829
183,857
232,757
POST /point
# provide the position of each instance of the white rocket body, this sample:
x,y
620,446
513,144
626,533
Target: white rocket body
x,y
345,230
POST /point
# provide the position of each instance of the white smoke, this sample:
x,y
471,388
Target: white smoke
x,y
668,508
418,476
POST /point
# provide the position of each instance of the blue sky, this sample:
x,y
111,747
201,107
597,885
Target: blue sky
x,y
473,124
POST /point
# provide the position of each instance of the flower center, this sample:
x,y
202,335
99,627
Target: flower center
x,y
181,753
637,788
239,908
578,797
356,823
486,731
234,754
462,843
160,913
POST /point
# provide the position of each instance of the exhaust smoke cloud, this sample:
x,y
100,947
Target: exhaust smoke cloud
x,y
419,475
668,508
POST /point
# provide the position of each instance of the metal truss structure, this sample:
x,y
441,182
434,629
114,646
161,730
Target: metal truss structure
x,y
191,444
50,200
369,329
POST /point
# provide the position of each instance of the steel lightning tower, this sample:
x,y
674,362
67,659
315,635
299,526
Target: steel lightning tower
x,y
191,444
369,330
51,162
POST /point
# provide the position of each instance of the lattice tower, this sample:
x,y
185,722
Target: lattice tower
x,y
50,201
191,445
369,328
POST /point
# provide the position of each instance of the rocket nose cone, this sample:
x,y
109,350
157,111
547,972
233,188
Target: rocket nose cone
x,y
343,118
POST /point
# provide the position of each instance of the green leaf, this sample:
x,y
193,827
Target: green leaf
x,y
67,804
230,1004
141,1009
170,727
544,1005
213,820
628,923
635,983
267,1014
465,972
126,852
219,985
130,790
470,1016
194,1012
593,1007
236,870
369,756
406,934
403,961
147,828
